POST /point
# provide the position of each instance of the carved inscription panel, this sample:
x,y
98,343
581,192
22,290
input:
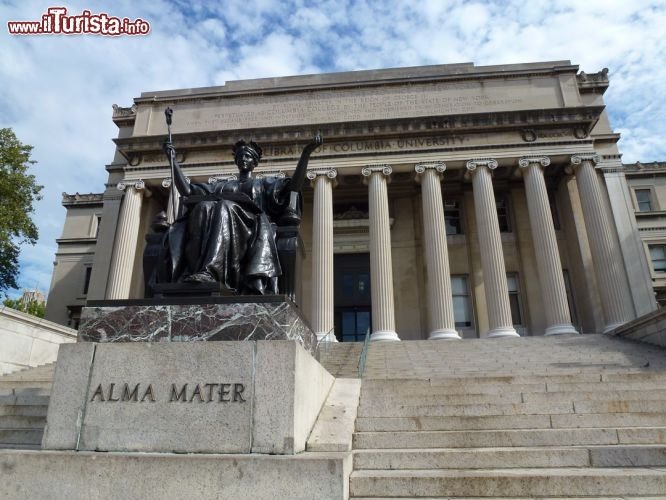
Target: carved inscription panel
x,y
152,397
331,106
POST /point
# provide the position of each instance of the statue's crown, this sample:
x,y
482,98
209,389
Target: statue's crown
x,y
252,146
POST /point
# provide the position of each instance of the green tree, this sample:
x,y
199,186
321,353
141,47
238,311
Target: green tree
x,y
18,192
34,307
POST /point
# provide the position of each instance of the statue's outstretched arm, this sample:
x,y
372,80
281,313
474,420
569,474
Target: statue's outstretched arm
x,y
181,183
299,174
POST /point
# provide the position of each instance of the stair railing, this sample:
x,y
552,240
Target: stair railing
x,y
364,354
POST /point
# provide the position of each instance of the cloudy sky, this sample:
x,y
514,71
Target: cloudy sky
x,y
56,91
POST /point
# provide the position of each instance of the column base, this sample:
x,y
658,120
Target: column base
x,y
613,326
562,329
326,336
384,335
444,334
502,331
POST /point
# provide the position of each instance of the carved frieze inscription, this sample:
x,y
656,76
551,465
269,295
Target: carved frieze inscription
x,y
377,103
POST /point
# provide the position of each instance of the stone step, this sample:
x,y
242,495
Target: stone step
x,y
7,386
484,380
619,419
474,410
25,397
629,385
20,436
478,388
619,406
448,423
386,400
20,421
512,483
606,394
564,421
341,359
31,391
18,446
509,438
495,385
43,372
502,457
23,410
486,409
605,497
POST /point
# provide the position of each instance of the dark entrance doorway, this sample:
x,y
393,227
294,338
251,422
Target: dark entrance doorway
x,y
352,296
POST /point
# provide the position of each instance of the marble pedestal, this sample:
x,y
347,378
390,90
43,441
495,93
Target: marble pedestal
x,y
187,319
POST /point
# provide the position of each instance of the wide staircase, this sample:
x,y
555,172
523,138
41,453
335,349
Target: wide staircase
x,y
566,417
24,400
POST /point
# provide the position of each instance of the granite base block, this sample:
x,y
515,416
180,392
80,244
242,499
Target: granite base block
x,y
142,476
212,319
185,397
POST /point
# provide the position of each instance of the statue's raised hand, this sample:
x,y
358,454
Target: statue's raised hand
x,y
169,150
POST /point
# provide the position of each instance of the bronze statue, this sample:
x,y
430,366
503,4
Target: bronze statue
x,y
227,230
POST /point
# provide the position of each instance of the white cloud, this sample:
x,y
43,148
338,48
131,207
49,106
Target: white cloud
x,y
57,91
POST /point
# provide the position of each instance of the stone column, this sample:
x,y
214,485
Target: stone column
x,y
322,253
440,298
549,268
606,260
124,247
492,256
381,271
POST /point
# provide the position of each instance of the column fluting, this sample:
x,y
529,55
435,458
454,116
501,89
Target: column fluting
x,y
322,253
440,299
607,262
549,268
381,271
124,247
492,256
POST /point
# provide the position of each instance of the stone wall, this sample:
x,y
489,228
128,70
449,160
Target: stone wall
x,y
650,328
29,341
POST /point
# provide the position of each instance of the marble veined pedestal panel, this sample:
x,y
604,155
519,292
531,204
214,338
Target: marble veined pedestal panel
x,y
196,319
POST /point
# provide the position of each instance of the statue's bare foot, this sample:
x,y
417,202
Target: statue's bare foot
x,y
200,277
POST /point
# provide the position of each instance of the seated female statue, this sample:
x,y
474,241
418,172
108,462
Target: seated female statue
x,y
227,231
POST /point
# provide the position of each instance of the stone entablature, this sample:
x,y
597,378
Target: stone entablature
x,y
147,155
593,82
69,200
428,106
124,117
638,168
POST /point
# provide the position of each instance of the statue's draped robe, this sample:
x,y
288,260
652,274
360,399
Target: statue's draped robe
x,y
227,230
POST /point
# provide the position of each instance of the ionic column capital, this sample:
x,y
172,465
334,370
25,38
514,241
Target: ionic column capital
x,y
438,166
383,169
578,159
271,173
138,185
166,182
329,173
526,161
211,180
481,162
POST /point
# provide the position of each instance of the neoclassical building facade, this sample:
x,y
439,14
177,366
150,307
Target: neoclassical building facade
x,y
453,201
